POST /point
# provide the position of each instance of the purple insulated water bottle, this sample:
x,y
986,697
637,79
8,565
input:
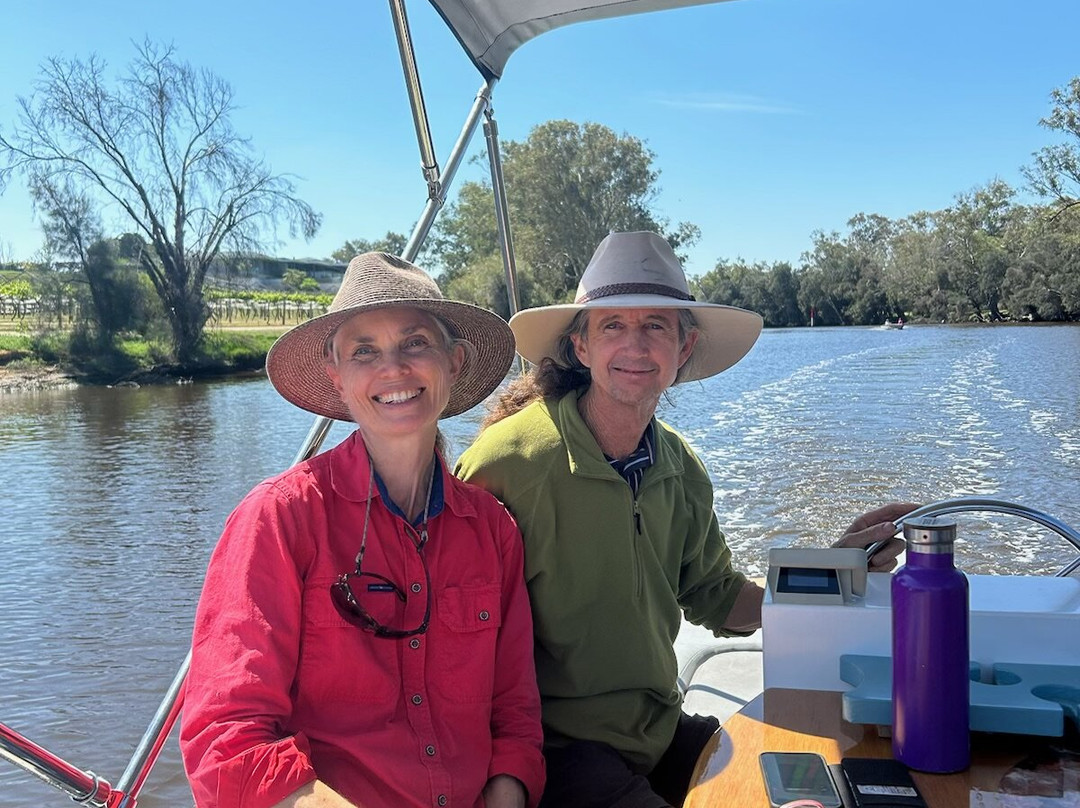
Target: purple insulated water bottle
x,y
930,687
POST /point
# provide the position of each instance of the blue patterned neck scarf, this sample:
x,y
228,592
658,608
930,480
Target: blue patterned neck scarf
x,y
632,469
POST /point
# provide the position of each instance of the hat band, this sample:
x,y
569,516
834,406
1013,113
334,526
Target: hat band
x,y
633,289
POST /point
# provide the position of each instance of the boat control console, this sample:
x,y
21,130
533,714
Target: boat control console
x,y
820,633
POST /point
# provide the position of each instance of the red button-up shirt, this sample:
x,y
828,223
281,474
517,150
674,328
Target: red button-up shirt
x,y
282,690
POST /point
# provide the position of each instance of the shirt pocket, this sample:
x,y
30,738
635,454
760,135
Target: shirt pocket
x,y
469,618
341,663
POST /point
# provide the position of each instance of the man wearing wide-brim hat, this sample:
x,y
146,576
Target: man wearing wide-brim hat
x,y
616,512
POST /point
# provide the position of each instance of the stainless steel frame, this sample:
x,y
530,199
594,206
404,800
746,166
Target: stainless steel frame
x,y
980,504
84,787
502,215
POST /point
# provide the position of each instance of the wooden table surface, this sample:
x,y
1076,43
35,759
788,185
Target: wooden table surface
x,y
728,772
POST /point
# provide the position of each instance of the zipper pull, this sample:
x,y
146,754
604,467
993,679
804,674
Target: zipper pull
x,y
637,516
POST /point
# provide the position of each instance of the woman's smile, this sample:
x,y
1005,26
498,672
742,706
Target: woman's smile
x,y
398,396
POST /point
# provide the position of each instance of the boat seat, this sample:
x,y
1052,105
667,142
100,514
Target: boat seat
x,y
717,676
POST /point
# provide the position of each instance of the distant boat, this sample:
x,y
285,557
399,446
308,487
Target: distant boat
x,y
898,324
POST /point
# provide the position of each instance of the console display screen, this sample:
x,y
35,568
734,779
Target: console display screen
x,y
808,581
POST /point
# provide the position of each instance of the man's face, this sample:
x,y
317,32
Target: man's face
x,y
632,354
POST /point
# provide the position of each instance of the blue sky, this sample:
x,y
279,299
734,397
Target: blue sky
x,y
769,118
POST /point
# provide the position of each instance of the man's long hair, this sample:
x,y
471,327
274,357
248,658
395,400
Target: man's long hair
x,y
552,378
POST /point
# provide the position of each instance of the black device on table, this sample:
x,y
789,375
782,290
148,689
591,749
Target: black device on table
x,y
880,783
791,776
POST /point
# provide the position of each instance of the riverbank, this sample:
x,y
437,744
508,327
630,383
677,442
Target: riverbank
x,y
24,365
34,377
30,378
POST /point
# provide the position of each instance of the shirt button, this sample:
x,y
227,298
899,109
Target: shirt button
x,y
416,587
417,699
442,799
414,643
429,751
484,615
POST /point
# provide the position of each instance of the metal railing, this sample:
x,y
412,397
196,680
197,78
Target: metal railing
x,y
980,504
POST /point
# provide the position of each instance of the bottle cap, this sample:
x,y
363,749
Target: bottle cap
x,y
930,534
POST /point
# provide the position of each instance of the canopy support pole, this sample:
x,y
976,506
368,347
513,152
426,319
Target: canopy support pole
x,y
502,214
428,162
146,753
453,162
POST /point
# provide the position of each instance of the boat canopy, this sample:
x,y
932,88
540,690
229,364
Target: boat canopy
x,y
491,30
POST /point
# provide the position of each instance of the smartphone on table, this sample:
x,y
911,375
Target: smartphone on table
x,y
791,776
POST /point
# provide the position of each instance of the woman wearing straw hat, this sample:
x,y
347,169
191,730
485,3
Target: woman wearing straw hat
x,y
364,636
617,515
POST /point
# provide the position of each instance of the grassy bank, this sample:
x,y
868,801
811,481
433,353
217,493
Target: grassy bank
x,y
223,352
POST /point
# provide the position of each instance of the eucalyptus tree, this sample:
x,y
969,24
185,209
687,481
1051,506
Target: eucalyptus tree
x,y
722,284
156,147
1044,282
771,291
979,243
393,243
568,185
915,275
467,232
782,294
824,287
1055,173
869,241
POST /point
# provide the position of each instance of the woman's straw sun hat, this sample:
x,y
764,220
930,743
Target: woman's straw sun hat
x,y
296,364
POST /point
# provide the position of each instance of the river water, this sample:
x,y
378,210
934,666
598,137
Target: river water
x,y
113,498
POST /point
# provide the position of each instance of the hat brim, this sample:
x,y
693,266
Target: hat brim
x,y
296,363
725,333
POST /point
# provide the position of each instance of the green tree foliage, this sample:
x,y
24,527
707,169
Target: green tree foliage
x,y
156,147
130,245
393,243
17,289
1044,282
1056,171
467,233
915,281
770,290
298,281
980,241
983,258
120,297
833,266
73,236
568,185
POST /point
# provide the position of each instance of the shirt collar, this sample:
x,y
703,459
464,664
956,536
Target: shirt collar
x,y
584,453
641,458
435,501
349,474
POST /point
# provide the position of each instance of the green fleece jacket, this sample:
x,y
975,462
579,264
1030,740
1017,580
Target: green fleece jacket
x,y
608,576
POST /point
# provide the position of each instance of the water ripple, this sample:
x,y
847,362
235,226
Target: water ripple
x,y
114,498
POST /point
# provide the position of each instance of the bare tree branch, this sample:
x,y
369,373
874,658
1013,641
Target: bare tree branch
x,y
156,147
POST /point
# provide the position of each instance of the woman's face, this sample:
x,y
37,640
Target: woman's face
x,y
393,370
